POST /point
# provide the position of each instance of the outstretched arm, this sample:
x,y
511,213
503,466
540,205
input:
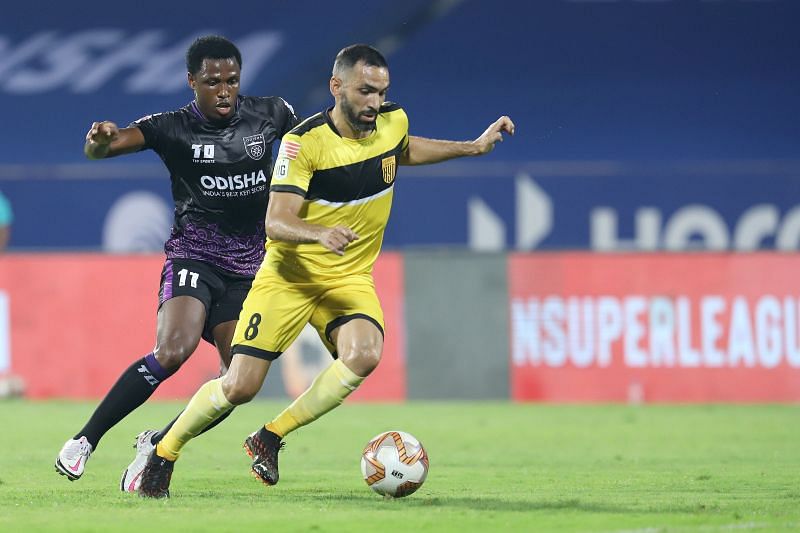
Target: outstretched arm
x,y
105,139
423,151
284,224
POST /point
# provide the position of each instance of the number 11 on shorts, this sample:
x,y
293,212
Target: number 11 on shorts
x,y
182,274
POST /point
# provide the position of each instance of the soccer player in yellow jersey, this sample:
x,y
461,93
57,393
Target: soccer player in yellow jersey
x,y
330,198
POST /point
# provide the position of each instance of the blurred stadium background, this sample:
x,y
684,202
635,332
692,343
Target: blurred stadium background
x,y
636,241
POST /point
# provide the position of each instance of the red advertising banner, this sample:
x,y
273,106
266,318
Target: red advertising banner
x,y
70,323
388,381
655,328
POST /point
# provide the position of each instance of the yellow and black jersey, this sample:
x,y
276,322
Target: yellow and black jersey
x,y
344,181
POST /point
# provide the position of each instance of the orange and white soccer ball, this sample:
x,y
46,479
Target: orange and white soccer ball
x,y
394,464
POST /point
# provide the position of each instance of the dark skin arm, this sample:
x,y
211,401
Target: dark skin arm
x,y
105,139
423,151
284,224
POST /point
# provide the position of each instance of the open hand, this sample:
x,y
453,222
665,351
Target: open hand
x,y
493,135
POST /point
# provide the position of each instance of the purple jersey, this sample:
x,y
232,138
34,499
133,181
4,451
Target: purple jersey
x,y
220,177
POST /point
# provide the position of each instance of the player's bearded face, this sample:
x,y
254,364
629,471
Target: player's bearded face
x,y
361,118
216,86
363,92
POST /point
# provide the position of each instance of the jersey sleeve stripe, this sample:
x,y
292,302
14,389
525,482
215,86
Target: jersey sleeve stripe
x,y
288,188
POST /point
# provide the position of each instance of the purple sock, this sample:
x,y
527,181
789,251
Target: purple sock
x,y
155,368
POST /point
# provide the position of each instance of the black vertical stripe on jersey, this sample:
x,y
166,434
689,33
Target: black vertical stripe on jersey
x,y
354,181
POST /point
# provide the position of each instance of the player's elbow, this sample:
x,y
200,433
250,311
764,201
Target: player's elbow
x,y
272,228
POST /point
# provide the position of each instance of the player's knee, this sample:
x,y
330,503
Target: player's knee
x,y
369,361
238,391
363,358
172,355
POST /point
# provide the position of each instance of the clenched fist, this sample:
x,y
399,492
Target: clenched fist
x,y
102,133
336,239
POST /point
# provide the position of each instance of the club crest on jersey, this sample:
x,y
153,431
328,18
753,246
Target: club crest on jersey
x,y
255,146
389,167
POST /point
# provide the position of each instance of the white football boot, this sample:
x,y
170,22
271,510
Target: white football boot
x,y
132,476
71,460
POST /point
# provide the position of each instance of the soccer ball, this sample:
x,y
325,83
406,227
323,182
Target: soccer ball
x,y
394,464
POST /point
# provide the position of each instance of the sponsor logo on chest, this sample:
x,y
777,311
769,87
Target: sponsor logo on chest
x,y
202,153
248,180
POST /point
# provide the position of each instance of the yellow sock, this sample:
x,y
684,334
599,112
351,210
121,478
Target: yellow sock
x,y
208,404
329,390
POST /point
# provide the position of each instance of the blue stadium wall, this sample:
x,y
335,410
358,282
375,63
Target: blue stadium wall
x,y
642,125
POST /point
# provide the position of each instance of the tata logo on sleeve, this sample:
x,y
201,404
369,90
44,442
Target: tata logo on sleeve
x,y
86,61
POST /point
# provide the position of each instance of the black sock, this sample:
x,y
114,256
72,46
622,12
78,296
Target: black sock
x,y
131,390
155,439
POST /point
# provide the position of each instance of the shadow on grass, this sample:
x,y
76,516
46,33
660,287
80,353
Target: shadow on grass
x,y
364,499
498,504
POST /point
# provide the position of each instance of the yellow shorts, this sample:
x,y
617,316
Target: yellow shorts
x,y
275,311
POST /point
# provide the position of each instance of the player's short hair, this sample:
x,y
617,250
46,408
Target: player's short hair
x,y
349,56
210,47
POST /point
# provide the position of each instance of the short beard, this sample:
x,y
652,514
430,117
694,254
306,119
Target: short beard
x,y
352,118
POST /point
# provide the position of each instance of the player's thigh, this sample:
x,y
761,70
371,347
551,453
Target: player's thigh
x,y
185,297
180,321
273,315
353,299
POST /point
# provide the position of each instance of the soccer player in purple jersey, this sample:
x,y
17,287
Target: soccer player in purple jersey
x,y
218,150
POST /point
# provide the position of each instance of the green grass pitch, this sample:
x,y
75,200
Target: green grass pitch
x,y
494,467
